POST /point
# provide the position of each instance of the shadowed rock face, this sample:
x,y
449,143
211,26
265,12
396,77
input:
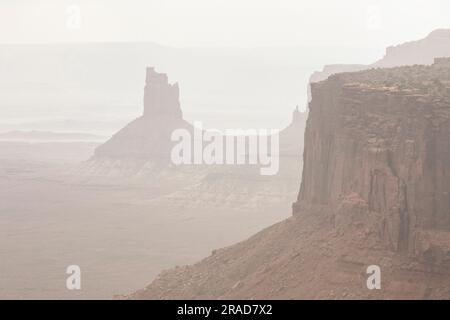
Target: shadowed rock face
x,y
378,141
148,137
375,190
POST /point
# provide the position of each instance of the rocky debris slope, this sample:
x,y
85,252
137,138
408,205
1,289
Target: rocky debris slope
x,y
375,191
302,258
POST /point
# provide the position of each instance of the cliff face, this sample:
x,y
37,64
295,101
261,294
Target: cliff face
x,y
383,150
375,190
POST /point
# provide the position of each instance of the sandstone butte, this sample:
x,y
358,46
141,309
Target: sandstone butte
x,y
148,137
375,191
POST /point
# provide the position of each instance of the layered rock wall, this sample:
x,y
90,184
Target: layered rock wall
x,y
380,152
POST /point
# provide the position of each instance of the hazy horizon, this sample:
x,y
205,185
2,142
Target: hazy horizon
x,y
247,88
274,48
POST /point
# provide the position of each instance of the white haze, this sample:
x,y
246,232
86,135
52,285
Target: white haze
x,y
239,63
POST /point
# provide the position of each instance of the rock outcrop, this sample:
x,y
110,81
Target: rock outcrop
x,y
148,137
375,191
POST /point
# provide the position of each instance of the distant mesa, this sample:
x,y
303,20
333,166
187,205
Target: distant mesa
x,y
436,44
422,52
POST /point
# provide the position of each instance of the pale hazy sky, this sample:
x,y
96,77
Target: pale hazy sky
x,y
223,22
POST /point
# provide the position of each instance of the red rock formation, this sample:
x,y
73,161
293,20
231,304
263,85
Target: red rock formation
x,y
436,44
148,137
375,190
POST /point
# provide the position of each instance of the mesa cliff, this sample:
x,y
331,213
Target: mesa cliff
x,y
378,141
375,191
